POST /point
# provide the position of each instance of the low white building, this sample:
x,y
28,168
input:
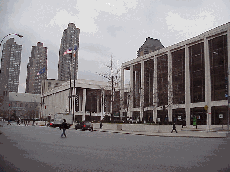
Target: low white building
x,y
90,98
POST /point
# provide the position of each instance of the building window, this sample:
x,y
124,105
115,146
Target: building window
x,y
197,72
178,76
148,74
162,80
218,67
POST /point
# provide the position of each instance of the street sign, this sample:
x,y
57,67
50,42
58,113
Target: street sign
x,y
221,116
179,117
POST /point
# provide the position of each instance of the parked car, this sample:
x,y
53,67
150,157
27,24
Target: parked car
x,y
132,121
50,124
84,125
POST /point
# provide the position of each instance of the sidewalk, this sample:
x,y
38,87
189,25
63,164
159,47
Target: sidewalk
x,y
186,132
199,134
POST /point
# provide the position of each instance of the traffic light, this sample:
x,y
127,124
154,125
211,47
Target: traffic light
x,y
9,104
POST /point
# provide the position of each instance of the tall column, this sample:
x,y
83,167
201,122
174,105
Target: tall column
x,y
53,104
228,45
131,92
170,88
59,102
136,88
155,97
84,104
102,103
80,100
142,90
207,82
98,103
122,96
187,86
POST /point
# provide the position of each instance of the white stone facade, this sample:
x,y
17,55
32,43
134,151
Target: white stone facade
x,y
89,99
179,80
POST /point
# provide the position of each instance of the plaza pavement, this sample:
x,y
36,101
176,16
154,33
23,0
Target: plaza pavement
x,y
181,132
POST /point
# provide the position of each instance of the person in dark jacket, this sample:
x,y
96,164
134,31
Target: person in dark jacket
x,y
100,124
63,127
174,127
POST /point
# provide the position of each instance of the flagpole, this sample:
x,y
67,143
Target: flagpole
x,y
75,48
70,90
73,88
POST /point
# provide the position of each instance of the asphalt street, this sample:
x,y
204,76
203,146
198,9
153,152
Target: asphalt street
x,y
33,148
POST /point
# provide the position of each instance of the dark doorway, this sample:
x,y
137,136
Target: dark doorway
x,y
200,114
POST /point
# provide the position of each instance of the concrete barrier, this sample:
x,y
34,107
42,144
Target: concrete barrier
x,y
119,127
137,127
108,126
40,123
149,128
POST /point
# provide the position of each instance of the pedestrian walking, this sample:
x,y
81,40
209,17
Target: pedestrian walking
x,y
26,123
100,124
63,127
183,123
9,122
174,127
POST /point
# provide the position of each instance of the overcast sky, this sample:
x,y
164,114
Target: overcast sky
x,y
107,27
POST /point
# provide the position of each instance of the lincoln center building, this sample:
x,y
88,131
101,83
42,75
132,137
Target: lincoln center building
x,y
188,80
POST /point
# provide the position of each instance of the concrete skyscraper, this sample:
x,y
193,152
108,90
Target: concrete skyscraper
x,y
150,45
10,65
36,69
69,39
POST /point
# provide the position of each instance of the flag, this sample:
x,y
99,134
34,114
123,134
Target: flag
x,y
41,71
69,51
75,47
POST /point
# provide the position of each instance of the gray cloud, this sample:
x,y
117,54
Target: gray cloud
x,y
95,48
116,28
112,30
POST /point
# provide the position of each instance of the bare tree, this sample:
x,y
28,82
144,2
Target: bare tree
x,y
113,77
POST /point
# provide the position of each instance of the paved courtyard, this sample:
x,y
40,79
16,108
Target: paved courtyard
x,y
35,148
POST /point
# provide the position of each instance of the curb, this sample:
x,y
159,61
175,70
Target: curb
x,y
160,135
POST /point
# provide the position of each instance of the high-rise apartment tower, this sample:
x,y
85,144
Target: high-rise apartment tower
x,y
69,39
150,45
36,69
10,65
